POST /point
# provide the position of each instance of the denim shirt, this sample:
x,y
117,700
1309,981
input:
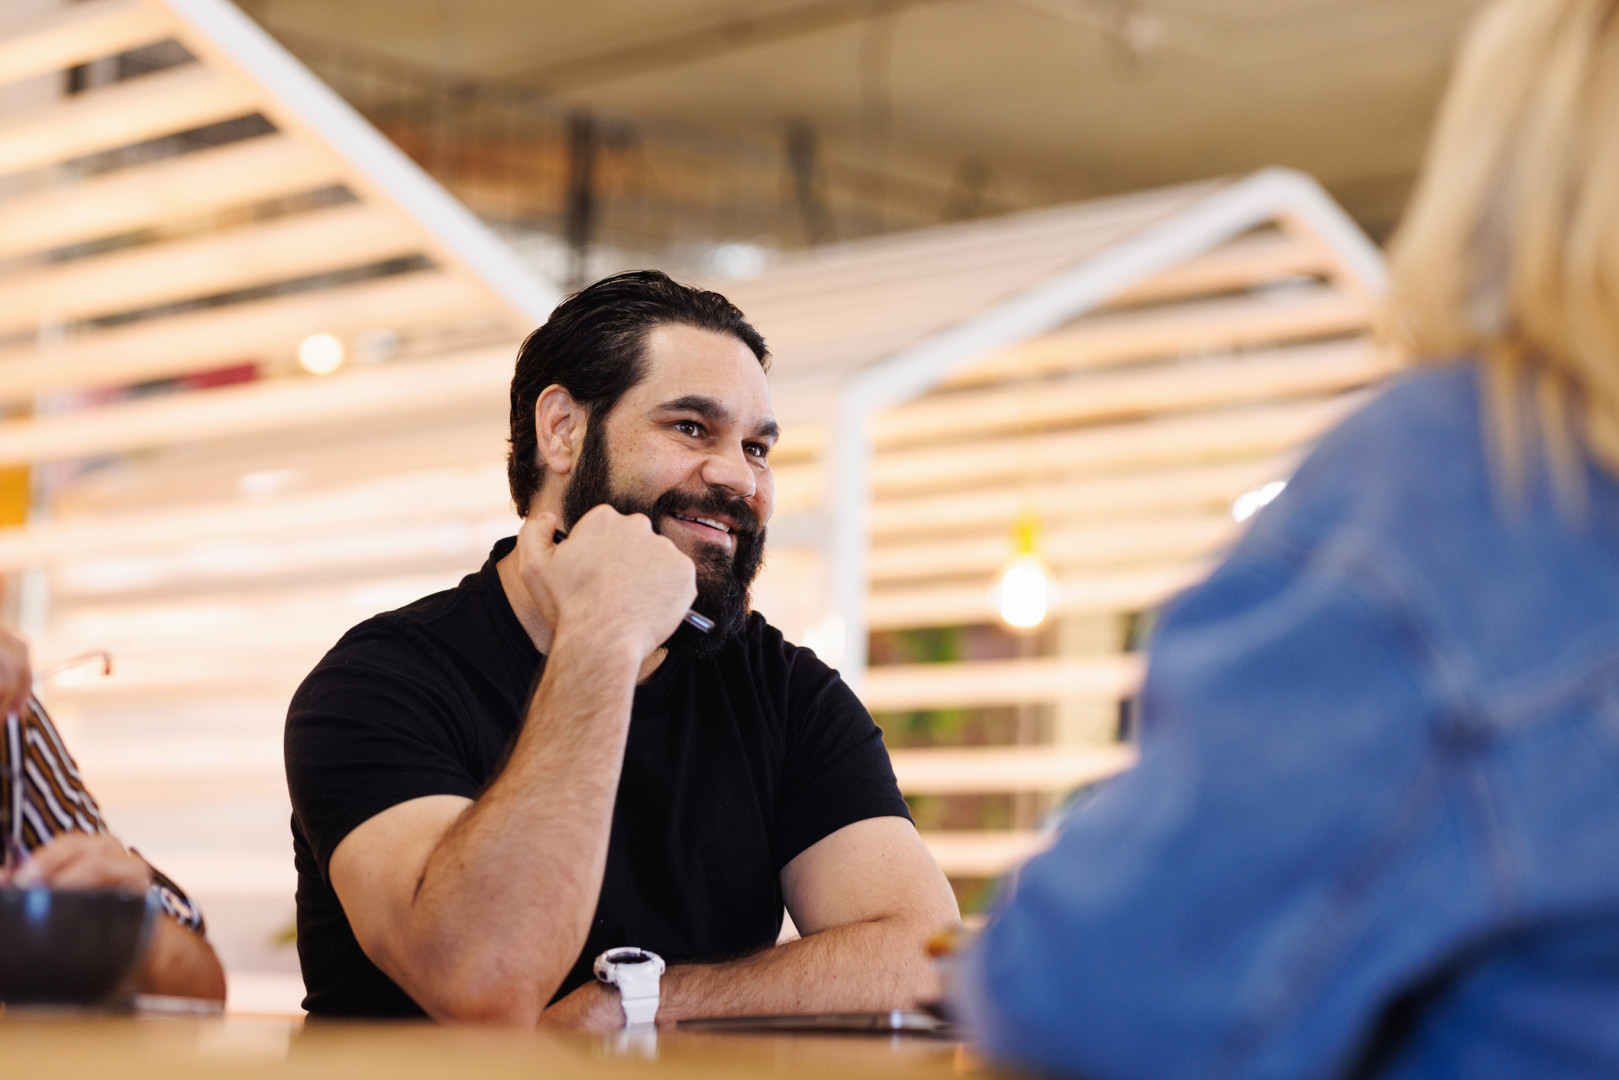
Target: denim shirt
x,y
1375,827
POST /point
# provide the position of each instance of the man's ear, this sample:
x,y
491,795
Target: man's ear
x,y
559,427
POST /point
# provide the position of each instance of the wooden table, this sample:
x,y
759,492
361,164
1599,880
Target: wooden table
x,y
43,1047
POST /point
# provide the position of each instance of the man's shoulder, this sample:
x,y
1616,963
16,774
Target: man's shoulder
x,y
428,630
764,648
434,613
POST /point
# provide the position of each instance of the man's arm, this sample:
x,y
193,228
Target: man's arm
x,y
479,909
865,898
179,962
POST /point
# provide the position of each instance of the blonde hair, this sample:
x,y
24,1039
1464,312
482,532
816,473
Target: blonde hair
x,y
1509,251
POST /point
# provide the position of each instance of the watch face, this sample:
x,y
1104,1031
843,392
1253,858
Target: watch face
x,y
630,961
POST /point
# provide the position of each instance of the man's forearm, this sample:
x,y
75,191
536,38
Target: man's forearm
x,y
506,898
862,966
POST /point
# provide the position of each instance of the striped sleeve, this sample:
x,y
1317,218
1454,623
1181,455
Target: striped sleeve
x,y
51,800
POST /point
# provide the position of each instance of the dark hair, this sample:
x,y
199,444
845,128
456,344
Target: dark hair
x,y
594,347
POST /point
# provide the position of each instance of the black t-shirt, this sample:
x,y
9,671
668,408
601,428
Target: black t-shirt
x,y
734,765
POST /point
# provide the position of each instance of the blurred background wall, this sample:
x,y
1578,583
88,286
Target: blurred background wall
x,y
253,357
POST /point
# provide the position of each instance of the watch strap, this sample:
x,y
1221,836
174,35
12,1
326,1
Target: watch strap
x,y
640,1011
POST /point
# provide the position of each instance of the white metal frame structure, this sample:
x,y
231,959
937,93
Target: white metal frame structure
x,y
1274,195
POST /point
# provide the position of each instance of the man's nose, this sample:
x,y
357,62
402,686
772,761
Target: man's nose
x,y
731,471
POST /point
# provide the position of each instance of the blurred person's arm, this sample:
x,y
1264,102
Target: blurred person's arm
x,y
866,899
179,962
479,909
16,677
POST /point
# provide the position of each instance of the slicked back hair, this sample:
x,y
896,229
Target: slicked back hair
x,y
594,347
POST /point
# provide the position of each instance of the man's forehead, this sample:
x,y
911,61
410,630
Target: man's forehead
x,y
683,362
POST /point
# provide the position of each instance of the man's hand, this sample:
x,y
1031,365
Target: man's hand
x,y
592,1007
16,678
613,576
82,861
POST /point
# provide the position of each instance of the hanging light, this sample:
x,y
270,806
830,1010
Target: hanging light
x,y
1024,589
320,354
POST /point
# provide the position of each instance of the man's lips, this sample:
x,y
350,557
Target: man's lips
x,y
709,528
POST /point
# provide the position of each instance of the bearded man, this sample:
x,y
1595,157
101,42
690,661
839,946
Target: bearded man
x,y
541,772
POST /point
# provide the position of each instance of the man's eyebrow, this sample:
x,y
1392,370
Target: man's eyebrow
x,y
714,410
706,407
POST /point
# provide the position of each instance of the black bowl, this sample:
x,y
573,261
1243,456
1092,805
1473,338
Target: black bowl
x,y
69,946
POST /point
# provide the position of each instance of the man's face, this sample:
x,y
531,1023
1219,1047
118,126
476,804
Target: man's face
x,y
688,446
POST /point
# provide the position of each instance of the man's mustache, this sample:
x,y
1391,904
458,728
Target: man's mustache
x,y
744,522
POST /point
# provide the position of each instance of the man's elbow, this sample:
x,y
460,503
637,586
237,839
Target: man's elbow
x,y
478,990
492,1006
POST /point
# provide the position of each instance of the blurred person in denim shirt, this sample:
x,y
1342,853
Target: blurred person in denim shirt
x,y
1375,827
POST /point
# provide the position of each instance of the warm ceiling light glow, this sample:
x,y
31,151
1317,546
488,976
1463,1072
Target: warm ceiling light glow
x,y
1024,590
1248,504
320,354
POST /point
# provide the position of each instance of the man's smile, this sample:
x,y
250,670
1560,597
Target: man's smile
x,y
709,529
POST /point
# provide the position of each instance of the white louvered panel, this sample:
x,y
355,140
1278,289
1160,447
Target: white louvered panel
x,y
208,338
1129,446
183,188
973,770
122,114
1246,263
1216,325
1114,592
964,853
211,263
979,683
278,405
1090,499
78,33
1110,541
1295,371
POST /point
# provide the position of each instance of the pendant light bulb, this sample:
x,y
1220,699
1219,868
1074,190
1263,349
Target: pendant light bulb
x,y
1024,589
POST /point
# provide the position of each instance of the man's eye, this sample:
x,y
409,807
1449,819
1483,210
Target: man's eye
x,y
689,427
758,450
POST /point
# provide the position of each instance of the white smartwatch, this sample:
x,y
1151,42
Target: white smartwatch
x,y
636,973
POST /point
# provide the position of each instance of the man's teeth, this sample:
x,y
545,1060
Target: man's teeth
x,y
710,522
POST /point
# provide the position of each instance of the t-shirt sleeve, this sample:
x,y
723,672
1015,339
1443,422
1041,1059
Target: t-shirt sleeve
x,y
837,770
371,727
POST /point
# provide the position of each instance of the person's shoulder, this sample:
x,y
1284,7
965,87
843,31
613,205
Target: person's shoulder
x,y
1415,451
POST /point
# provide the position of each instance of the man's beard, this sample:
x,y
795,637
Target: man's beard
x,y
723,578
